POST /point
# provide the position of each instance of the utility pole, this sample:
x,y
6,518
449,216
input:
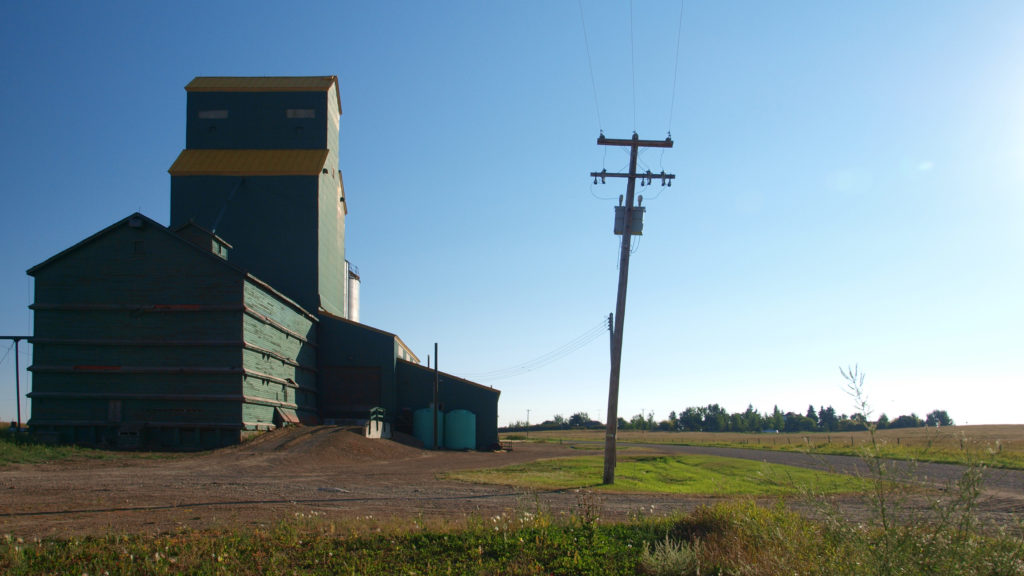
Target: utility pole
x,y
17,373
634,144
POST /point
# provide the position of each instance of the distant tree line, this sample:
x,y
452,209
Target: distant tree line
x,y
714,418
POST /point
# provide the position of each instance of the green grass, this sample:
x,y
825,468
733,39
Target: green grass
x,y
683,474
728,538
22,449
997,446
992,458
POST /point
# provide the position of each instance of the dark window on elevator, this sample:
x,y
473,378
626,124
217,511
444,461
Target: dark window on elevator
x,y
138,247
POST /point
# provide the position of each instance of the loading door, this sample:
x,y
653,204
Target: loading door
x,y
349,392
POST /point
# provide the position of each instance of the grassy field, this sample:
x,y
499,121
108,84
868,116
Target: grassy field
x,y
998,446
690,474
729,538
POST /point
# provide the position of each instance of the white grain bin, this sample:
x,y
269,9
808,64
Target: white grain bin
x,y
352,304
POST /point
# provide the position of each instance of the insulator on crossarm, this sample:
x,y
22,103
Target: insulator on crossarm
x,y
595,179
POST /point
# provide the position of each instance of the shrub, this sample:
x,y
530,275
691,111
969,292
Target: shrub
x,y
670,558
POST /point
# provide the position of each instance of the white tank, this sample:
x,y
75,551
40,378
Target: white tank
x,y
353,292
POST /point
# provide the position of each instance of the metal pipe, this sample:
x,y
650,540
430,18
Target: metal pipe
x,y
17,372
17,380
436,379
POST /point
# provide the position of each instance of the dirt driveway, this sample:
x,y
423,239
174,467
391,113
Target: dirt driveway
x,y
325,472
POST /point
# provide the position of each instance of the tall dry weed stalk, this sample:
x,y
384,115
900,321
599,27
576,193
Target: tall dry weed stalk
x,y
910,530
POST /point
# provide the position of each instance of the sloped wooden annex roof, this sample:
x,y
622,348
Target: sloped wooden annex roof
x,y
490,389
265,84
207,162
367,327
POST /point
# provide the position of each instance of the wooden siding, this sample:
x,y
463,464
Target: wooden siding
x,y
258,301
256,121
169,345
347,351
281,349
416,390
142,324
289,231
270,221
332,281
136,266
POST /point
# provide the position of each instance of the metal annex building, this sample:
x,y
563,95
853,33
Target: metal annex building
x,y
242,315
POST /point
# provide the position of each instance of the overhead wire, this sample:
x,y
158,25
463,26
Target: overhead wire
x,y
675,71
594,194
632,61
544,359
6,354
642,166
675,83
590,64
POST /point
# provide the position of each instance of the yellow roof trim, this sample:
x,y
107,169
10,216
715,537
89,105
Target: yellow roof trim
x,y
264,84
261,83
249,163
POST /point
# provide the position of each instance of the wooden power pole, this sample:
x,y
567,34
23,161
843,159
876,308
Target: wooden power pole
x,y
627,231
17,373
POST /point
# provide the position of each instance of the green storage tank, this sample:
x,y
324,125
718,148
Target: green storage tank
x,y
460,430
423,427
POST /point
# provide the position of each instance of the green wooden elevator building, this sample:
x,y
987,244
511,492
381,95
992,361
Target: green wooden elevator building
x,y
239,316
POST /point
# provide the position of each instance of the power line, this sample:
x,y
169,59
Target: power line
x,y
590,64
7,353
675,75
632,60
544,359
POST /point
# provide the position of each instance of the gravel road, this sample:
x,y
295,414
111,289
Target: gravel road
x,y
334,474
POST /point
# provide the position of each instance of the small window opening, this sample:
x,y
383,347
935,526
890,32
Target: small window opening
x,y
213,114
300,113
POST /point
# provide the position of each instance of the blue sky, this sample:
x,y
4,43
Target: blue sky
x,y
848,184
